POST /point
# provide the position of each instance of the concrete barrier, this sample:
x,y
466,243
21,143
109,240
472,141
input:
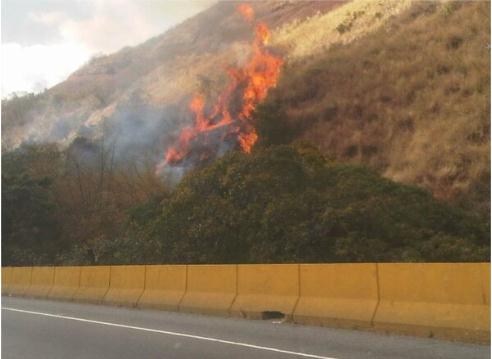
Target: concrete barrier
x,y
6,279
66,283
340,295
165,286
210,289
41,281
263,288
434,300
21,280
485,271
94,284
126,285
449,301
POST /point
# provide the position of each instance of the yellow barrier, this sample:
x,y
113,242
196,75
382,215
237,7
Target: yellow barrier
x,y
41,281
6,279
485,270
21,280
265,288
210,289
94,284
165,286
441,300
341,295
126,285
66,283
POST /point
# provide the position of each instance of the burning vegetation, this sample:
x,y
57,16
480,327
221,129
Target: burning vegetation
x,y
229,121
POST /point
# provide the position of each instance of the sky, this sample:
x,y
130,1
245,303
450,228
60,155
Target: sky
x,y
43,41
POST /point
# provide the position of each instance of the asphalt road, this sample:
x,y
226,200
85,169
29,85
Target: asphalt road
x,y
49,329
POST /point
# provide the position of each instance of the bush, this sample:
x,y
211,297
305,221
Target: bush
x,y
290,204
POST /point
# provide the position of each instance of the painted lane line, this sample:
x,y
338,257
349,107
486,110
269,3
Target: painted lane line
x,y
177,334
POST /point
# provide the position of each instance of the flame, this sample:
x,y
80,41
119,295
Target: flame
x,y
232,117
262,33
246,11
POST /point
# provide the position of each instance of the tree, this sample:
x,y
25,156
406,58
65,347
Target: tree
x,y
30,231
291,204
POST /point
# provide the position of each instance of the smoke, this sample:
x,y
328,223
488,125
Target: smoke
x,y
93,106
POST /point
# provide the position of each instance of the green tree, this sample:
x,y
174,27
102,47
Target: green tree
x,y
30,230
291,204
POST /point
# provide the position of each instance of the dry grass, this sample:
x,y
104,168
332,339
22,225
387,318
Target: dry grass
x,y
300,39
411,99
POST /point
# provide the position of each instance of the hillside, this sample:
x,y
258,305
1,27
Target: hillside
x,y
411,100
402,87
159,74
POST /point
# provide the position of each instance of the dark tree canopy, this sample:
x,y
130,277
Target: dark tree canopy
x,y
289,204
282,203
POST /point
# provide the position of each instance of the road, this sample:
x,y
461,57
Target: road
x,y
50,329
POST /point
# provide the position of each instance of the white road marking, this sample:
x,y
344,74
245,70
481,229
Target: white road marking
x,y
177,334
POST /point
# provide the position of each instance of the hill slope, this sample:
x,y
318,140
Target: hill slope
x,y
400,86
162,71
411,99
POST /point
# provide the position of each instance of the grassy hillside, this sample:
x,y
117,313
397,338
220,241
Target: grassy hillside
x,y
314,35
411,100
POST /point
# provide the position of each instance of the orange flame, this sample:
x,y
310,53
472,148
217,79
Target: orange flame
x,y
246,11
250,84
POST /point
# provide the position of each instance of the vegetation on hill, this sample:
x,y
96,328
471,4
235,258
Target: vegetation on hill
x,y
30,230
69,206
290,204
279,204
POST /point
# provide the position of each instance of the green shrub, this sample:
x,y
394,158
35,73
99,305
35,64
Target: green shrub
x,y
290,204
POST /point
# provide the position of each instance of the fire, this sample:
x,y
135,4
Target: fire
x,y
230,118
246,11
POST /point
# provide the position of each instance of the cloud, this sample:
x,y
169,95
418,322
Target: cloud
x,y
34,68
107,26
111,26
48,18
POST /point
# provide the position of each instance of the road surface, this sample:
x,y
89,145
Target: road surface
x,y
50,329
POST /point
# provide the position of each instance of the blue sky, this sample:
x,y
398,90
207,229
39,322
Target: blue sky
x,y
43,41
